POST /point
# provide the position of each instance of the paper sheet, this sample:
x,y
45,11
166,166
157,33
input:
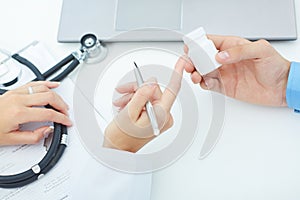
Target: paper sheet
x,y
77,173
95,181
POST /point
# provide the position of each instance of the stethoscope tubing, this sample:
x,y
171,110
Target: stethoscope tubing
x,y
70,58
59,140
57,67
28,64
58,144
52,156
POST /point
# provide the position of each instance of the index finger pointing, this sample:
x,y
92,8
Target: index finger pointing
x,y
170,93
225,42
185,49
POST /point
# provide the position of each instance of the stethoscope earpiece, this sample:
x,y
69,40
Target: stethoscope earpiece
x,y
10,76
9,73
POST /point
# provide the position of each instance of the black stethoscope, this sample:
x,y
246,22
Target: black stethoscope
x,y
91,48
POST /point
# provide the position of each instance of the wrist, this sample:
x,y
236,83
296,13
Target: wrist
x,y
284,81
115,138
293,86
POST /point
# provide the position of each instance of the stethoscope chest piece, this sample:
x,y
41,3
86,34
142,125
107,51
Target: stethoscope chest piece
x,y
94,50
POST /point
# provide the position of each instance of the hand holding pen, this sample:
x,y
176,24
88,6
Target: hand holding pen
x,y
127,131
149,107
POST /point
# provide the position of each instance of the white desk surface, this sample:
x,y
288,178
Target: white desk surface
x,y
257,157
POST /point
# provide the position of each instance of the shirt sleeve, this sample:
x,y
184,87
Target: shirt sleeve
x,y
293,87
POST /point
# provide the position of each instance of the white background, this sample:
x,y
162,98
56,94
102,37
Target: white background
x,y
257,157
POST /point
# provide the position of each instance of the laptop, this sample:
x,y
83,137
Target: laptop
x,y
152,20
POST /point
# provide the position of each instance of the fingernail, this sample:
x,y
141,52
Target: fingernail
x,y
48,131
152,80
151,85
70,123
116,101
209,82
223,55
55,82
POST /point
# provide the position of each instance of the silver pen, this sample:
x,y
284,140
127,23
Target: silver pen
x,y
149,107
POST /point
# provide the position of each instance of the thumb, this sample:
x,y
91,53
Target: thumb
x,y
254,50
28,137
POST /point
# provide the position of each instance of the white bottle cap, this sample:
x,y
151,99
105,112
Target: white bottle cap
x,y
202,51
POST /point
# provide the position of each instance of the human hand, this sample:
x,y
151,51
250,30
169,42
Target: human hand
x,y
131,128
19,107
251,71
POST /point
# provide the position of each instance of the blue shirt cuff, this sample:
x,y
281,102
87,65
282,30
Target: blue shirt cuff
x,y
293,87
